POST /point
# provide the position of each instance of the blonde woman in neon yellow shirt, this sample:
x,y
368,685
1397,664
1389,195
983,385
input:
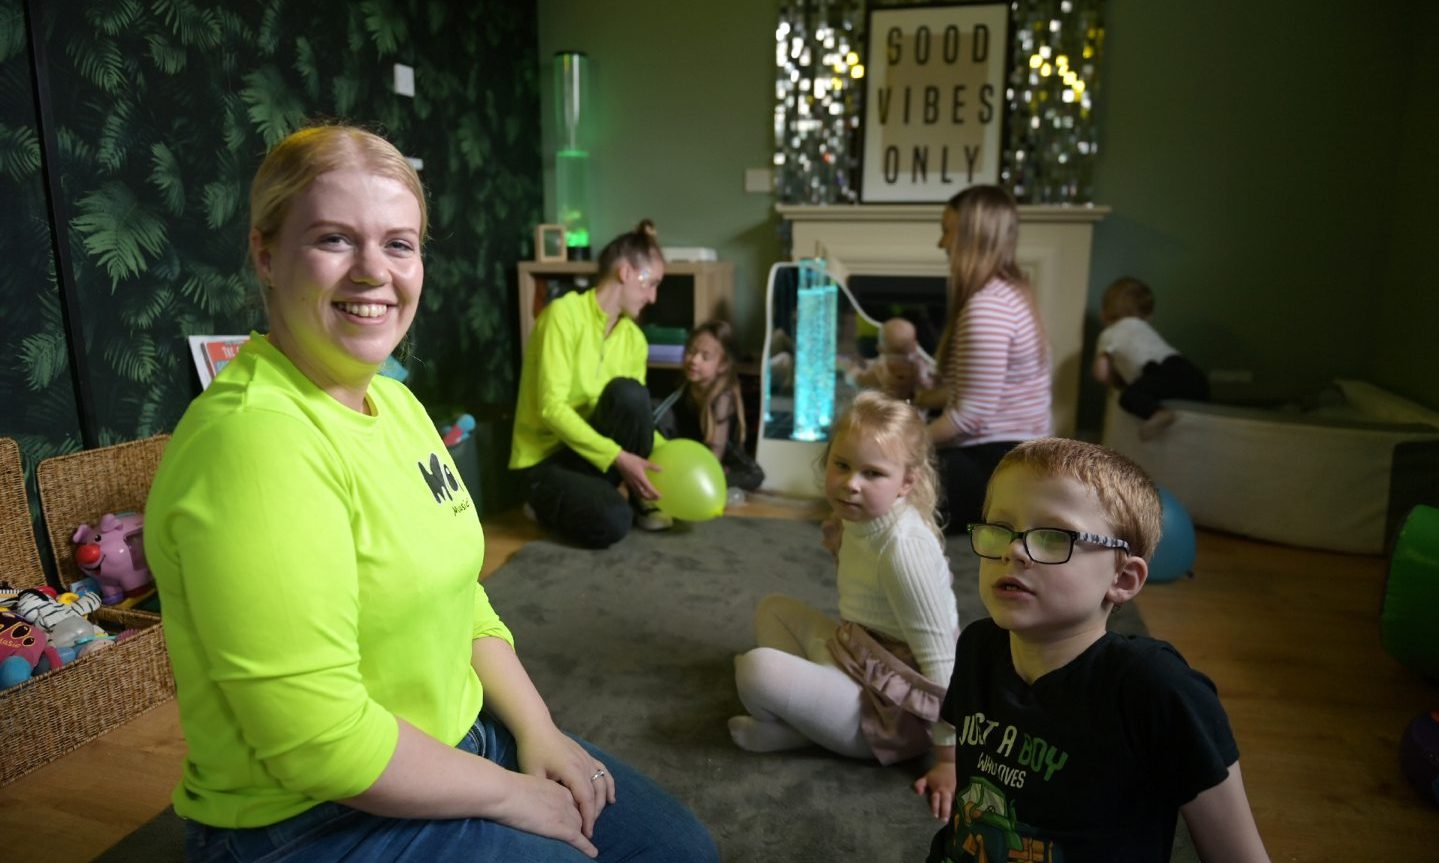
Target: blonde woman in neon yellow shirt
x,y
345,687
583,426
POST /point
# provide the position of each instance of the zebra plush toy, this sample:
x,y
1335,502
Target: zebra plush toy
x,y
64,623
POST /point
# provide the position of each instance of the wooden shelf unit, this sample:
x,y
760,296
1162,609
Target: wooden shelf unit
x,y
691,292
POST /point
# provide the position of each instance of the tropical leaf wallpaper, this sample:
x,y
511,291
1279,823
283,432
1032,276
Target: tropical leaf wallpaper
x,y
37,399
164,108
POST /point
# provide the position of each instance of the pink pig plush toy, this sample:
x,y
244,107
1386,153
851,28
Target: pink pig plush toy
x,y
115,556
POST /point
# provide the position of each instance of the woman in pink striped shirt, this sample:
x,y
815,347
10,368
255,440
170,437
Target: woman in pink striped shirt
x,y
993,356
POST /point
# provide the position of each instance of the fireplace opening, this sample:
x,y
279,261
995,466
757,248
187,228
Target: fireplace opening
x,y
918,299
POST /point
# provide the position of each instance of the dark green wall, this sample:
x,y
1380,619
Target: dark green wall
x,y
163,111
683,102
1407,337
1248,152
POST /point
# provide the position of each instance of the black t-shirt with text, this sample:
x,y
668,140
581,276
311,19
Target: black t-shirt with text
x,y
1090,763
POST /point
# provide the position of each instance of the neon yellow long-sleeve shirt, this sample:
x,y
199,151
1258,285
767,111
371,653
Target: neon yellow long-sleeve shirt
x,y
568,362
318,569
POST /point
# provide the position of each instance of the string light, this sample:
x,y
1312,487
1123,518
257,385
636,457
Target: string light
x,y
1060,139
818,48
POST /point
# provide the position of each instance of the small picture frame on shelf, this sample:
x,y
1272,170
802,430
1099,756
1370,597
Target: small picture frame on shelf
x,y
550,243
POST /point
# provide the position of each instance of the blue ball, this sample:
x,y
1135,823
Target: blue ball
x,y
1175,556
14,670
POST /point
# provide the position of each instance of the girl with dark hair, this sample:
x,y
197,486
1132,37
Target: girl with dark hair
x,y
708,407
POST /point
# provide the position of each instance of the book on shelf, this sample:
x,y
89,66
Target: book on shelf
x,y
698,254
667,353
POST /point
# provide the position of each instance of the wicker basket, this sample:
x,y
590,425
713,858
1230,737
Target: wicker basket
x,y
52,714
83,486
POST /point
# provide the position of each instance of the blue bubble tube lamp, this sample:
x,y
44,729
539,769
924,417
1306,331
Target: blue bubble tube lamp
x,y
814,352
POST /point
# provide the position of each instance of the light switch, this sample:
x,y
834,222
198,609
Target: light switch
x,y
760,180
404,80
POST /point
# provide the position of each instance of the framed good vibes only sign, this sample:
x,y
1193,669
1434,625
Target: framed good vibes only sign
x,y
933,101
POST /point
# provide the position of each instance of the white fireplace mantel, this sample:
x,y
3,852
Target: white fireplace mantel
x,y
903,240
930,213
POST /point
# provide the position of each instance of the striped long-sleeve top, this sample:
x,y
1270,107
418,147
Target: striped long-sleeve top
x,y
997,370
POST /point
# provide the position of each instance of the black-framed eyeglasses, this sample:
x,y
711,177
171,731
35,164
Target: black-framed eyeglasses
x,y
1050,545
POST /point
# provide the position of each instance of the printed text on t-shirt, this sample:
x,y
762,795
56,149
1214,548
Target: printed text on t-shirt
x,y
1034,752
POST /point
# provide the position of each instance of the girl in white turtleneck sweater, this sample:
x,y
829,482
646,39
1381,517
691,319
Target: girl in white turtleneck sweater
x,y
869,685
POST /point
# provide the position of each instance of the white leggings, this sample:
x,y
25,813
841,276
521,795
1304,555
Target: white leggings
x,y
792,679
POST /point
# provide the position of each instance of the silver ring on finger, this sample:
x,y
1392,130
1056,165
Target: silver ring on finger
x,y
599,774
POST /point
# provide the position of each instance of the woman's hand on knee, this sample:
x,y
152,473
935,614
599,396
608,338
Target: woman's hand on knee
x,y
632,469
559,758
544,808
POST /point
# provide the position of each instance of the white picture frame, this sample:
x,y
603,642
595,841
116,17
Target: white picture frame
x,y
934,101
211,353
550,245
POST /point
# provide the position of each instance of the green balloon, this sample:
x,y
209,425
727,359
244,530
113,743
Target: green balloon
x,y
691,482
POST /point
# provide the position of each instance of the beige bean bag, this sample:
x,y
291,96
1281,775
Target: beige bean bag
x,y
1321,479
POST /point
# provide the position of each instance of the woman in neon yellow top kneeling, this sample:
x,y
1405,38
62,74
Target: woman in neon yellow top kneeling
x,y
584,427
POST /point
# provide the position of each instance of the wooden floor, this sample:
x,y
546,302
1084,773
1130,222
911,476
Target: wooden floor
x,y
1290,637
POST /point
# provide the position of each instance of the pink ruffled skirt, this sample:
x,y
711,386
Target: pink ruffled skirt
x,y
900,704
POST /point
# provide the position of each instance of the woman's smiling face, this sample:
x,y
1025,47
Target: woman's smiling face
x,y
343,276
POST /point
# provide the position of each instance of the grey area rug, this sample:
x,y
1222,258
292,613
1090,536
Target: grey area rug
x,y
632,648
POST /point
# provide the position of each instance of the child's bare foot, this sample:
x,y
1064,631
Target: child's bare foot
x,y
1158,422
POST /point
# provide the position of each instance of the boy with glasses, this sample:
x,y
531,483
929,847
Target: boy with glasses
x,y
1074,743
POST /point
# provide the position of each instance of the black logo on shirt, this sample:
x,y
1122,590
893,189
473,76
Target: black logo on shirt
x,y
438,477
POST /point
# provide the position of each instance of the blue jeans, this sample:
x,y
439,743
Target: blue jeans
x,y
643,824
